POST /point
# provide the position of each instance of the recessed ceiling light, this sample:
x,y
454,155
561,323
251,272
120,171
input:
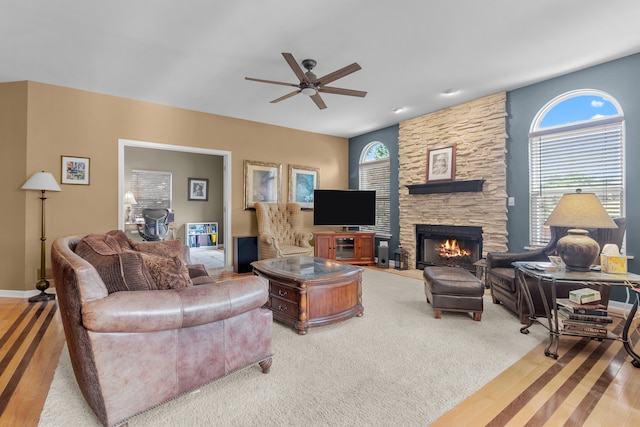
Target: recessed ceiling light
x,y
398,110
450,92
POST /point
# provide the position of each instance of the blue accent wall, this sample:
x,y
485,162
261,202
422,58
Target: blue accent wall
x,y
389,137
620,79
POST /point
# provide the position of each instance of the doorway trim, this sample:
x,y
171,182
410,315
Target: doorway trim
x,y
226,185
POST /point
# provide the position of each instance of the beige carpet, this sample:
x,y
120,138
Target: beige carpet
x,y
212,259
396,365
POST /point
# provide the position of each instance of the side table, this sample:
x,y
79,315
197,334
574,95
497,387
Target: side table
x,y
547,282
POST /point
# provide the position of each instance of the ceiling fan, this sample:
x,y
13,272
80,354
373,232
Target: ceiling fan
x,y
311,85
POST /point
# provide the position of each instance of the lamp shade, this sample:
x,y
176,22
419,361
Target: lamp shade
x,y
41,181
580,210
129,199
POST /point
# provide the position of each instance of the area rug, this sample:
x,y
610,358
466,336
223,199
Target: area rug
x,y
396,365
212,259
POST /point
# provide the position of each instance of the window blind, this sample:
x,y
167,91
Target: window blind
x,y
151,189
589,156
375,175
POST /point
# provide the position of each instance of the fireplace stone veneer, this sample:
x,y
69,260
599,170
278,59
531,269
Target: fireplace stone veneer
x,y
478,129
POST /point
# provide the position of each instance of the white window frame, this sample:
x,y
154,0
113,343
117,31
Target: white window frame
x,y
597,144
380,170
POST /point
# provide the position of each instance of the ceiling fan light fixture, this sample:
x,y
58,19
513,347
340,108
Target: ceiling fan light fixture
x,y
309,90
450,92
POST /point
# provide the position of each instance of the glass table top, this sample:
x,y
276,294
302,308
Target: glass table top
x,y
540,269
303,266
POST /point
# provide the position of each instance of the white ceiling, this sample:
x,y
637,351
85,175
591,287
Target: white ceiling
x,y
195,54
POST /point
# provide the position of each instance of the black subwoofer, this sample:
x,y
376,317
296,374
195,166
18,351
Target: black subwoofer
x,y
383,257
245,251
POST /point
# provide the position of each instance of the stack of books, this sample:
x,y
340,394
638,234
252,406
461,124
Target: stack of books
x,y
588,319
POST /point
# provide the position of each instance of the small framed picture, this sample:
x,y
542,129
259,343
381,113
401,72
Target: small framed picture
x,y
302,181
75,170
441,164
262,183
198,189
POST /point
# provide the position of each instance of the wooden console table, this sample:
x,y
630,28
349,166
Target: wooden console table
x,y
353,247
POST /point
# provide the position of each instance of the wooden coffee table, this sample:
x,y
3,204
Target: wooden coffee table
x,y
307,291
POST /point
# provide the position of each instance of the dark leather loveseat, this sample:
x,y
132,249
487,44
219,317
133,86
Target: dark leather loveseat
x,y
140,333
501,273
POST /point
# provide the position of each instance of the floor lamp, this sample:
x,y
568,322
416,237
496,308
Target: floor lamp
x,y
42,181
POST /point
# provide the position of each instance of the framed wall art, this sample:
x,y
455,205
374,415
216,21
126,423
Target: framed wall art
x,y
75,170
302,181
198,189
262,183
441,164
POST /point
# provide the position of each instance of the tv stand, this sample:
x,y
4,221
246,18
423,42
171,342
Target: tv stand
x,y
352,247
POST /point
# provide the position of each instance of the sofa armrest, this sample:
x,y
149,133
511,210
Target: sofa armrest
x,y
268,238
197,270
162,310
506,259
302,238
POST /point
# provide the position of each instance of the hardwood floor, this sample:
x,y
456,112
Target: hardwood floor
x,y
592,383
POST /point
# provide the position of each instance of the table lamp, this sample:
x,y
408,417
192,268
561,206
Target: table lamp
x,y
579,210
129,200
42,181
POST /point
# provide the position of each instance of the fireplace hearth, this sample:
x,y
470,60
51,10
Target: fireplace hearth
x,y
448,245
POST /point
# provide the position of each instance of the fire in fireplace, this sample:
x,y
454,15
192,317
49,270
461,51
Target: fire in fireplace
x,y
448,245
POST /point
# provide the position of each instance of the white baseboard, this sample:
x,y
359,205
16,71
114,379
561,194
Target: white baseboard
x,y
18,294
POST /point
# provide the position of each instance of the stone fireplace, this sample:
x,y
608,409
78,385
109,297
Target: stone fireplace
x,y
476,198
448,245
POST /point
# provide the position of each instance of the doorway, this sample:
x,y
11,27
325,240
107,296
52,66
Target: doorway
x,y
224,199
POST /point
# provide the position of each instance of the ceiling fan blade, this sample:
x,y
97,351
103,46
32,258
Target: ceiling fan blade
x,y
270,81
282,98
341,91
318,100
338,74
295,67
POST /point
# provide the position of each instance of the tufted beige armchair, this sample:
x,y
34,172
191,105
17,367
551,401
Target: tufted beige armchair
x,y
279,233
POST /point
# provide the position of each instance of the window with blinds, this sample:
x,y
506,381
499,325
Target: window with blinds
x,y
374,174
586,154
151,189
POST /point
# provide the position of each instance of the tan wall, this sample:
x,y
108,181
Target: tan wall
x,y
61,121
477,129
13,137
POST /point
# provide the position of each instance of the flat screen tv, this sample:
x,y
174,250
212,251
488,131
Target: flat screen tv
x,y
346,208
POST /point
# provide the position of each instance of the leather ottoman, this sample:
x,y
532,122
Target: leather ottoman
x,y
453,289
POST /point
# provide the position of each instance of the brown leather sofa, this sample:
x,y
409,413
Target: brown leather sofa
x,y
501,273
134,349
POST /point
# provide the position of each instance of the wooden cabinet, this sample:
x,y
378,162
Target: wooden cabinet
x,y
353,247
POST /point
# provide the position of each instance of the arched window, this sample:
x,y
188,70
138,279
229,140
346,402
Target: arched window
x,y
374,174
575,141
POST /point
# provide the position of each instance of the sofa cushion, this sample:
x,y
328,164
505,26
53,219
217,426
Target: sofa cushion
x,y
167,248
120,238
120,271
168,272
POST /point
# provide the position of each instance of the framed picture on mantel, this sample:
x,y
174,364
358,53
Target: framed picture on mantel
x,y
441,164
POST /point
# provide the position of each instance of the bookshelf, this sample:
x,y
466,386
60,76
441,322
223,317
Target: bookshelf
x,y
202,235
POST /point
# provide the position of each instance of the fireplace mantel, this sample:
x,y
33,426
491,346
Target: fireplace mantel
x,y
447,187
